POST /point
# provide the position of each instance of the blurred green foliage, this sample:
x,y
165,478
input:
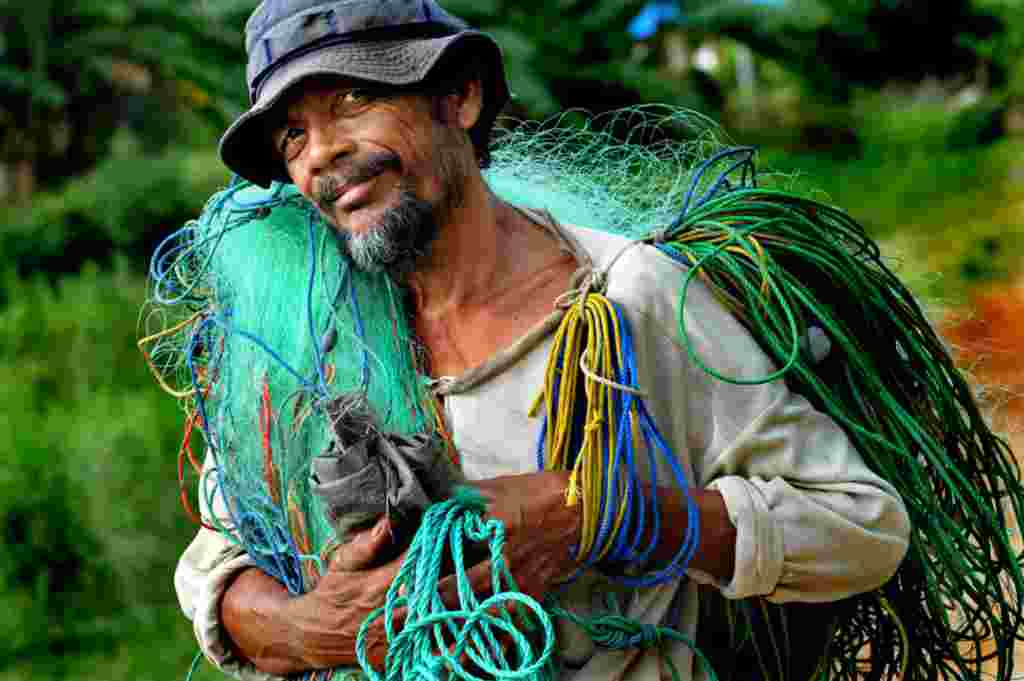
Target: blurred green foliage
x,y
71,73
125,205
89,518
1006,48
838,45
573,53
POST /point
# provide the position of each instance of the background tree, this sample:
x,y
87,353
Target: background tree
x,y
73,72
574,53
839,44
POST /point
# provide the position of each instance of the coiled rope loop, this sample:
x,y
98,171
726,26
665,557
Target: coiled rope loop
x,y
433,639
599,427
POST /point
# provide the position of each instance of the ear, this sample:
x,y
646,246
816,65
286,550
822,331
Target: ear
x,y
468,103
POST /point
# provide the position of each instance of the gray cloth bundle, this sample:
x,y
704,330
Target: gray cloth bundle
x,y
365,473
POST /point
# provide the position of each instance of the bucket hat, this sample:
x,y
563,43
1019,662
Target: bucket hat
x,y
391,42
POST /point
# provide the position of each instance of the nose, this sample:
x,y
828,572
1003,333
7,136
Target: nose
x,y
328,144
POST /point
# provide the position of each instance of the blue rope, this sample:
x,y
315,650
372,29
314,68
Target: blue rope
x,y
353,301
747,178
642,512
321,388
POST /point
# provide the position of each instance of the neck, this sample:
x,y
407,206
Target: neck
x,y
468,258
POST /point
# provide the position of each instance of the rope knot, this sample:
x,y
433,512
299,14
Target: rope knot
x,y
661,235
617,632
595,282
590,281
650,636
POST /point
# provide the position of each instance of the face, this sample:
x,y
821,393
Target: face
x,y
384,169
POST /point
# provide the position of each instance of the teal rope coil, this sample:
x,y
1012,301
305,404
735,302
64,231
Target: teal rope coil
x,y
433,641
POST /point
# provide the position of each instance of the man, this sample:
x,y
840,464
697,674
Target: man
x,y
379,112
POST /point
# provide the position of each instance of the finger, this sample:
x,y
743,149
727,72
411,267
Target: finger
x,y
375,644
478,578
376,640
363,547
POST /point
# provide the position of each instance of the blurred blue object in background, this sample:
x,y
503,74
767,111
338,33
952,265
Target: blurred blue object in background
x,y
651,17
655,14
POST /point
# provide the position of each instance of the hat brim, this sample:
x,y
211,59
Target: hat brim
x,y
246,148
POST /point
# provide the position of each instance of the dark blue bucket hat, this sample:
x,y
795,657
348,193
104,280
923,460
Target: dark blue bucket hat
x,y
393,42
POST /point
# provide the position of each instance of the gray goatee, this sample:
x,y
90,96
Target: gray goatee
x,y
400,240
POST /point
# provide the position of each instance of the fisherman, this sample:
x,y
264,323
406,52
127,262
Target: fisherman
x,y
380,113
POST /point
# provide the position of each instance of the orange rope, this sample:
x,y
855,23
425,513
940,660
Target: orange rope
x,y
265,420
186,452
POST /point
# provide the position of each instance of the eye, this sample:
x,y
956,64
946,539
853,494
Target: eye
x,y
355,96
290,141
354,101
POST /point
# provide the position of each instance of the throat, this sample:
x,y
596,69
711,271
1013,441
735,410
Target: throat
x,y
466,336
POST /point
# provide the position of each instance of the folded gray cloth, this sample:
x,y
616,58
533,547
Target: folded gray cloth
x,y
365,473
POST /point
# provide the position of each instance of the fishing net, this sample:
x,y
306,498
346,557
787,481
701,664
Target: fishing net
x,y
256,321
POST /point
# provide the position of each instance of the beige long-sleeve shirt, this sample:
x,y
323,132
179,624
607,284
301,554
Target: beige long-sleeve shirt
x,y
813,522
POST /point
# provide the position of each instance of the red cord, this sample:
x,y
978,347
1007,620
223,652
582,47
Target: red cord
x,y
266,417
183,452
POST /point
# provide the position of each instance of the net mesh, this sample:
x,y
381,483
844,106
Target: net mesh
x,y
256,319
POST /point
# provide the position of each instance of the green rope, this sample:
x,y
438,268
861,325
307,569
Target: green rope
x,y
433,639
784,264
434,642
616,632
194,666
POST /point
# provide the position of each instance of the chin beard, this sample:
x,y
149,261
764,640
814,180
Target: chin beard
x,y
403,236
400,239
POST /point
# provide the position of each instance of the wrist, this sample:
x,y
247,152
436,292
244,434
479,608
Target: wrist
x,y
260,619
570,515
293,654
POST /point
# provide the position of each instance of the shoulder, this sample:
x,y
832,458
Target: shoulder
x,y
637,275
669,305
627,264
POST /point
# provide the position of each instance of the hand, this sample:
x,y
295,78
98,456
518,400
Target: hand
x,y
541,532
326,620
284,635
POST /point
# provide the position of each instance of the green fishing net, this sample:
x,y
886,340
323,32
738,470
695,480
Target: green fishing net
x,y
255,320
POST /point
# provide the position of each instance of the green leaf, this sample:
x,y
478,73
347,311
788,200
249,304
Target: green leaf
x,y
41,91
515,45
530,90
474,9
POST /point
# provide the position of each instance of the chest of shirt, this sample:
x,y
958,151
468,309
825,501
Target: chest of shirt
x,y
490,424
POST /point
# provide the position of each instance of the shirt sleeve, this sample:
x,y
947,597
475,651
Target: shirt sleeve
x,y
813,522
203,574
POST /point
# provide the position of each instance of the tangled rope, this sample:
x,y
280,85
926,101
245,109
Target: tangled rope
x,y
785,264
435,642
252,357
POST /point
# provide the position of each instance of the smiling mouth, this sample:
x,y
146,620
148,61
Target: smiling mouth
x,y
351,190
354,195
333,193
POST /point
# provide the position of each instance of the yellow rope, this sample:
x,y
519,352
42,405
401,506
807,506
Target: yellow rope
x,y
142,342
587,343
904,638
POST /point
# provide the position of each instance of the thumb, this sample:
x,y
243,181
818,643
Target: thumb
x,y
359,552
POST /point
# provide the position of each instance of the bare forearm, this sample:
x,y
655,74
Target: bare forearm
x,y
716,549
254,612
283,634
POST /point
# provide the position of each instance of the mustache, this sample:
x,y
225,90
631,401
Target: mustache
x,y
328,188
